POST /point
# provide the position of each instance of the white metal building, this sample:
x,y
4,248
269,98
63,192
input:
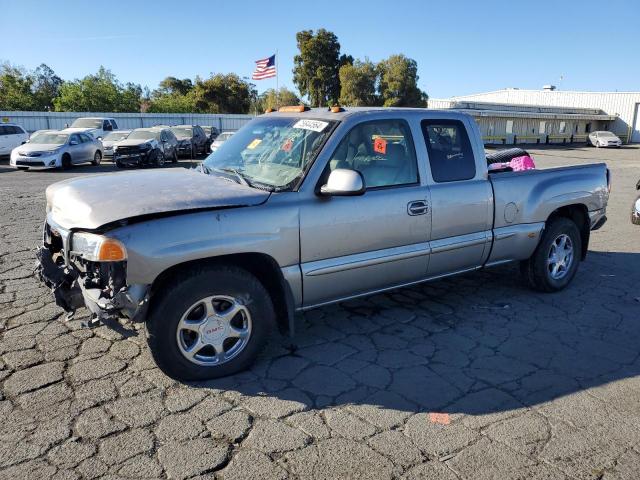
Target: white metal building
x,y
533,116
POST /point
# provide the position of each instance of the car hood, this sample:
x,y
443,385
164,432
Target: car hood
x,y
38,147
132,142
93,201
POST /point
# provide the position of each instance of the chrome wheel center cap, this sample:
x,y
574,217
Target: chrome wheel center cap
x,y
213,330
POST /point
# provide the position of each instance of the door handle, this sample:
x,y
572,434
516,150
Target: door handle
x,y
417,207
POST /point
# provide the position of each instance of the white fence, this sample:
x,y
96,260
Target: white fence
x,y
33,121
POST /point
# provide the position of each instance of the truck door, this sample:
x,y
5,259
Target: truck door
x,y
461,199
359,244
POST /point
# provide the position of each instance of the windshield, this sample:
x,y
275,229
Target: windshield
x,y
605,134
87,123
49,139
274,152
142,135
182,131
115,136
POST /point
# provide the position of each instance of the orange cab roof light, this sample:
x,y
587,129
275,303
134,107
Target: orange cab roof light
x,y
294,108
269,110
337,109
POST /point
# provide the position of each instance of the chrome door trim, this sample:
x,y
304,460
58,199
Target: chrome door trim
x,y
366,259
461,241
386,289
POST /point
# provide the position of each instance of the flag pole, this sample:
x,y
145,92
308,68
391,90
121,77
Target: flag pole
x,y
276,71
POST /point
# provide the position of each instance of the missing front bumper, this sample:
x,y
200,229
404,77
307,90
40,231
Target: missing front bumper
x,y
72,292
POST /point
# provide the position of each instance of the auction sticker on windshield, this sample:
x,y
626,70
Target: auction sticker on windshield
x,y
315,125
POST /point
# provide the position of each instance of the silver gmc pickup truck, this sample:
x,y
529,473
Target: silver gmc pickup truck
x,y
301,208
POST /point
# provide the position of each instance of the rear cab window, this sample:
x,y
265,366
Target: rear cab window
x,y
450,154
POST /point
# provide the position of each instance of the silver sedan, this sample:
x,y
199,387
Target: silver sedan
x,y
57,150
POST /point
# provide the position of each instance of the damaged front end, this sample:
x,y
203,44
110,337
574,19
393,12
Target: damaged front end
x,y
86,269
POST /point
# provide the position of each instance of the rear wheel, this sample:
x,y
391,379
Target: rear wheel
x,y
97,158
209,323
556,259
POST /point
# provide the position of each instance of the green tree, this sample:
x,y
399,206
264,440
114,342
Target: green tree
x,y
173,85
223,93
15,89
358,84
399,83
275,99
45,87
317,65
173,103
98,93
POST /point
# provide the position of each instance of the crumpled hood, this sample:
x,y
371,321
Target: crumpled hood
x,y
93,201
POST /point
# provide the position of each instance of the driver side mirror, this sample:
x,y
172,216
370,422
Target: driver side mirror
x,y
73,142
343,182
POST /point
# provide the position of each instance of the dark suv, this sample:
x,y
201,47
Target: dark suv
x,y
192,140
146,147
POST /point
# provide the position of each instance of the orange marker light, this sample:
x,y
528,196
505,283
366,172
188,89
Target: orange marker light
x,y
337,109
111,251
293,108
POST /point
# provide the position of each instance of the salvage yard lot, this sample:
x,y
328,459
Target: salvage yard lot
x,y
523,385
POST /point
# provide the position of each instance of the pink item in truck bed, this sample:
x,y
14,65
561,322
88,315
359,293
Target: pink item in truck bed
x,y
524,162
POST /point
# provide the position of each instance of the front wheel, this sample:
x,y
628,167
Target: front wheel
x,y
556,259
209,323
97,158
174,159
160,159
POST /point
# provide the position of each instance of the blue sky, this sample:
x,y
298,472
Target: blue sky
x,y
461,46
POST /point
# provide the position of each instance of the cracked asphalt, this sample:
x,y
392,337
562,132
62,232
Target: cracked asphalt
x,y
473,377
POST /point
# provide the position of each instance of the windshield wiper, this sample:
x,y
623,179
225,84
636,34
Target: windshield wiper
x,y
242,179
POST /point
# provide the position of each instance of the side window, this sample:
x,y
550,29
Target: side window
x,y
84,138
114,125
4,130
75,138
381,150
450,154
11,130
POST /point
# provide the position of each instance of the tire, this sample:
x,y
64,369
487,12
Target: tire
x,y
97,158
119,164
184,297
159,160
538,270
66,161
505,155
174,159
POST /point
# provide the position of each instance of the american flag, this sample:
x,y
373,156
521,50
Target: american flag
x,y
265,68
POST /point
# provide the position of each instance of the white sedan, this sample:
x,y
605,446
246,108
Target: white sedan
x,y
220,139
604,139
55,150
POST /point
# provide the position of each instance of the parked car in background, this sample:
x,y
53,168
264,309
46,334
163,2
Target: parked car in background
x,y
38,132
339,204
11,135
98,127
223,137
146,147
635,209
57,150
604,139
111,138
211,133
192,140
